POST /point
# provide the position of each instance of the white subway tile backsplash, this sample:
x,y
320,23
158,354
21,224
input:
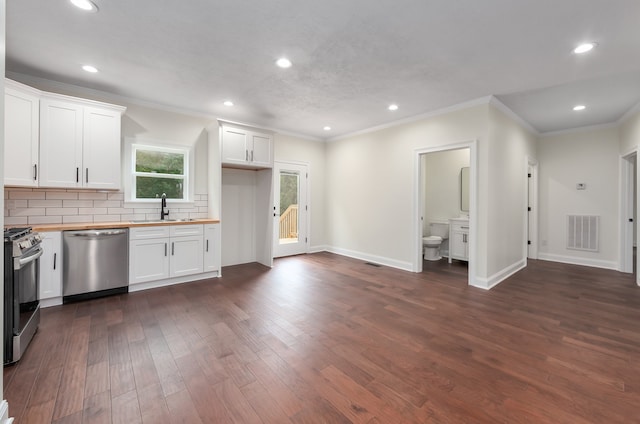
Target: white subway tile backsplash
x,y
78,203
26,194
92,196
61,195
15,220
92,211
106,218
107,204
45,220
25,206
27,211
44,203
76,218
62,211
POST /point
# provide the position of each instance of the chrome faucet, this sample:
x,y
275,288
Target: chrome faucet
x,y
163,206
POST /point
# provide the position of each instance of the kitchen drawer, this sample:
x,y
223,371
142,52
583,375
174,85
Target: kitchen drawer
x,y
143,233
186,230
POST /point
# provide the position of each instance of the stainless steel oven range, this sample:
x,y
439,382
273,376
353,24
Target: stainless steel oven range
x,y
22,250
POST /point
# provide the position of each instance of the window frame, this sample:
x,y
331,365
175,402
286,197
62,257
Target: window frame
x,y
132,145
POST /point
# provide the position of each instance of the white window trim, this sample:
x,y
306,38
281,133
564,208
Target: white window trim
x,y
129,172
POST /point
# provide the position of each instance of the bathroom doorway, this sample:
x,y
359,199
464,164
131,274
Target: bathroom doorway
x,y
446,182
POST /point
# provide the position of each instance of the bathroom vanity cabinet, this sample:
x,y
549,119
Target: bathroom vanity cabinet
x,y
459,239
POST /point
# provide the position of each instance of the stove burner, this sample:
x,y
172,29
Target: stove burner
x,y
11,234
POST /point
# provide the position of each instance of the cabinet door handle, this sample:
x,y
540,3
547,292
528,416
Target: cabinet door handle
x,y
87,175
55,257
172,249
165,249
35,172
252,156
466,228
77,175
246,155
207,248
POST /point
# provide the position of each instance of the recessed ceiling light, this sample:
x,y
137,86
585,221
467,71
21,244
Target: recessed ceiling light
x,y
90,68
393,107
327,128
86,5
228,103
579,107
283,62
585,47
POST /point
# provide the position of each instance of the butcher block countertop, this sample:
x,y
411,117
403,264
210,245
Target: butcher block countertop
x,y
124,224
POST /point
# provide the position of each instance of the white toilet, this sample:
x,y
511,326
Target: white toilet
x,y
439,232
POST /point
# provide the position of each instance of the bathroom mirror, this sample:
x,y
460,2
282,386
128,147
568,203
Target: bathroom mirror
x,y
464,189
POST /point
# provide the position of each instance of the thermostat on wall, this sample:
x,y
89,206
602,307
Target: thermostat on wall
x,y
581,186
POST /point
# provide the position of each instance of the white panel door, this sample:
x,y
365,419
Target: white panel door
x,y
148,260
22,115
101,149
186,256
60,144
290,210
235,148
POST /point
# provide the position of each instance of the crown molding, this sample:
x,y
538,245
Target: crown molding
x,y
495,102
635,109
465,105
47,85
586,128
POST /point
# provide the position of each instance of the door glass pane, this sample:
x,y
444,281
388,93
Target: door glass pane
x,y
289,193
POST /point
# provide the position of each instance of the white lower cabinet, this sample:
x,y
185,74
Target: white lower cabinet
x,y
458,239
162,252
211,250
51,268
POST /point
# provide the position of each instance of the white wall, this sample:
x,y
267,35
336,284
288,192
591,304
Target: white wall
x,y
238,216
630,133
590,157
505,196
288,148
370,185
442,185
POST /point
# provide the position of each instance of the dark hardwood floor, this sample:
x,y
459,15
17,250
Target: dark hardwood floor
x,y
326,339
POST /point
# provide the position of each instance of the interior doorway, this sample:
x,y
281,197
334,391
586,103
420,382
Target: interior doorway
x,y
290,209
421,196
628,212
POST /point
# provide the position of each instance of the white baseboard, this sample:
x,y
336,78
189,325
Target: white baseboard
x,y
4,413
54,301
596,263
498,277
318,249
171,281
393,263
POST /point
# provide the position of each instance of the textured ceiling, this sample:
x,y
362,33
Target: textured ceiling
x,y
351,58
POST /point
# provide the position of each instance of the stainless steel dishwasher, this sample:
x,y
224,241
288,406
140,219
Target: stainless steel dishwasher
x,y
95,263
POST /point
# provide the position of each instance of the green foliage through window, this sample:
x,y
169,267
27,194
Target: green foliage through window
x,y
288,191
158,171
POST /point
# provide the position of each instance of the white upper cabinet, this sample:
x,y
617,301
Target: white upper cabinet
x,y
22,112
60,144
79,143
245,148
101,148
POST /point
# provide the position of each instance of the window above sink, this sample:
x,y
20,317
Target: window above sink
x,y
153,169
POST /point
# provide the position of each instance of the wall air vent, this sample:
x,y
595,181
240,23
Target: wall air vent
x,y
582,232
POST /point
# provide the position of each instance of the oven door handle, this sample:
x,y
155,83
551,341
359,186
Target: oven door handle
x,y
18,263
